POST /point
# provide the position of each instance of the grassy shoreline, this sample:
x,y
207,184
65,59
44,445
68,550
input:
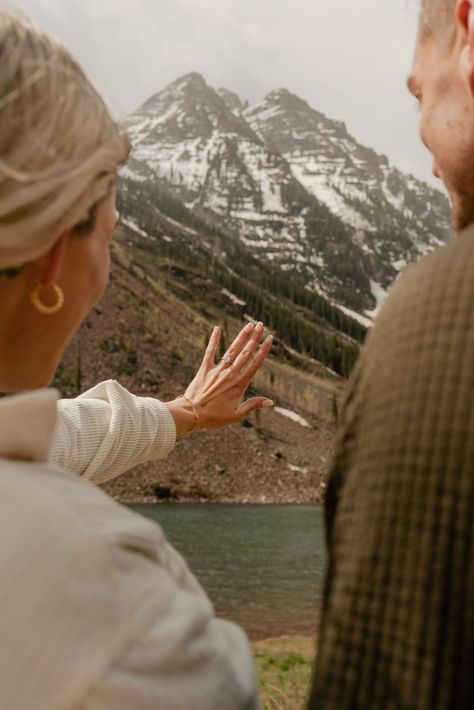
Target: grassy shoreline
x,y
284,666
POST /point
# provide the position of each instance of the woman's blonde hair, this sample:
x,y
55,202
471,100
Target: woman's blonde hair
x,y
59,146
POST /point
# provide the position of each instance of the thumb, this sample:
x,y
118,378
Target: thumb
x,y
252,404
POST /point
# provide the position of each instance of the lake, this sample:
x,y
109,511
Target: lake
x,y
262,566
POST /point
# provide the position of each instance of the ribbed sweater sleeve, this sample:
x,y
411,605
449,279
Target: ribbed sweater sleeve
x,y
107,431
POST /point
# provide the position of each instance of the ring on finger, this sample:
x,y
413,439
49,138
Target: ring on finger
x,y
227,360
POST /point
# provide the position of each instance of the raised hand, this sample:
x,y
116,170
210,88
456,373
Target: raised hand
x,y
214,398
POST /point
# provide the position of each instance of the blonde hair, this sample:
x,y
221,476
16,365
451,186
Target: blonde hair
x,y
59,147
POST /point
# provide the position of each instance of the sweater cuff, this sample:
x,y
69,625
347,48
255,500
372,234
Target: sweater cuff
x,y
166,429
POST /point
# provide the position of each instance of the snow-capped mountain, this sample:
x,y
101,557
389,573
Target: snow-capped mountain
x,y
395,218
290,184
188,137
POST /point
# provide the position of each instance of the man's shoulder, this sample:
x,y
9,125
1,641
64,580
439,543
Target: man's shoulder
x,y
412,387
424,333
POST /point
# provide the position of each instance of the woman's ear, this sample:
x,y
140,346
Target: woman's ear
x,y
50,264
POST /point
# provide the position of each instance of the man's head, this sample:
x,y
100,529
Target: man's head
x,y
442,80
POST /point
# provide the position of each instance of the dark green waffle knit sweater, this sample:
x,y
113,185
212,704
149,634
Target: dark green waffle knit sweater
x,y
398,619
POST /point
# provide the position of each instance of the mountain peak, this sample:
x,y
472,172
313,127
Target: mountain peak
x,y
191,84
286,101
188,80
282,115
282,94
187,109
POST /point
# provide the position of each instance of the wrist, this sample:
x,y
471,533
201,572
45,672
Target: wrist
x,y
184,414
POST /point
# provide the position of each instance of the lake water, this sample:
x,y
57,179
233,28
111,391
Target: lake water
x,y
262,566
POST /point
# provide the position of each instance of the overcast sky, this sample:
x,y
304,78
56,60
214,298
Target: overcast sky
x,y
349,60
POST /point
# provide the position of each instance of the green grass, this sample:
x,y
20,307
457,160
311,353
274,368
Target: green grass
x,y
284,667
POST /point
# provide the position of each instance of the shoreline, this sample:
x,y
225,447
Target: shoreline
x,y
285,641
148,500
286,636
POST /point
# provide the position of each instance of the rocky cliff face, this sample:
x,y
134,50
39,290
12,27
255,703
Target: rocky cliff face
x,y
232,100
394,218
290,185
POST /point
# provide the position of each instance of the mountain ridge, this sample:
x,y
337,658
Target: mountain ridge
x,y
291,185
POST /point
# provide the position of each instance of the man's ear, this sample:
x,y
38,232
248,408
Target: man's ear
x,y
465,19
50,264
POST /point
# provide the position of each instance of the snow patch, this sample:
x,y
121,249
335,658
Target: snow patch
x,y
400,264
126,172
367,322
265,176
233,298
380,295
293,416
177,224
128,222
297,469
317,184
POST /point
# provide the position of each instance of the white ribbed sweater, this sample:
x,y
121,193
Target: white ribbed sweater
x,y
97,610
107,430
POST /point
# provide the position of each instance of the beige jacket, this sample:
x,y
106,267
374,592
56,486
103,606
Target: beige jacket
x,y
96,609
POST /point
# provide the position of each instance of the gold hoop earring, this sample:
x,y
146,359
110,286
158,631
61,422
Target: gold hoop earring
x,y
40,306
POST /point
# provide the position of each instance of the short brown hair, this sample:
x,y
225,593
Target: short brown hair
x,y
436,13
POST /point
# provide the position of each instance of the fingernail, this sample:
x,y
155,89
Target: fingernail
x,y
267,404
270,338
259,325
249,326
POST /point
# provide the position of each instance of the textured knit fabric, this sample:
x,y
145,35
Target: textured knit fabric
x,y
398,619
106,431
97,611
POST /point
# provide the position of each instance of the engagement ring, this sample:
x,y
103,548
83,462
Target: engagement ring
x,y
226,359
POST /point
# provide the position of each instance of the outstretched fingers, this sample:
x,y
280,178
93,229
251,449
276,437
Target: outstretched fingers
x,y
245,356
209,358
239,343
256,363
251,405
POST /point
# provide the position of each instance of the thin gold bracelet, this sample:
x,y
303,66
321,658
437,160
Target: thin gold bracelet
x,y
195,412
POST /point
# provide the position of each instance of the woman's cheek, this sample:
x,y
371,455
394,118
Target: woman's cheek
x,y
103,277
